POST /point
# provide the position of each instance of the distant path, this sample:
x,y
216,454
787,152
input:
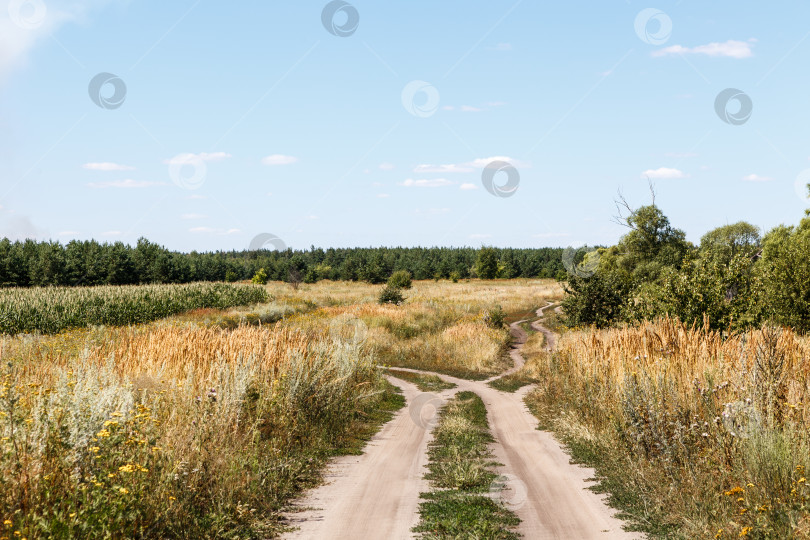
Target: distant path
x,y
376,495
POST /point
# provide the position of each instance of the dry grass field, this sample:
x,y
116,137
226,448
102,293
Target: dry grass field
x,y
696,434
206,424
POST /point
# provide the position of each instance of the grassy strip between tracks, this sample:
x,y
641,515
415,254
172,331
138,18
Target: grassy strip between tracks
x,y
460,470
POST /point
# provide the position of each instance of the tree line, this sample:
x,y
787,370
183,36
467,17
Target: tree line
x,y
734,279
84,263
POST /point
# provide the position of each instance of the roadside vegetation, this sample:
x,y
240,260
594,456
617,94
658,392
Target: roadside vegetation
x,y
693,433
460,470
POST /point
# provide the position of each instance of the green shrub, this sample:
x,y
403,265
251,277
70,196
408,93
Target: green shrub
x,y
230,276
454,277
401,279
261,277
391,295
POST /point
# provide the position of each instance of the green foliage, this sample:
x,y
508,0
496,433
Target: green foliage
x,y
391,295
29,263
486,266
600,300
54,309
401,279
260,277
230,276
455,276
785,271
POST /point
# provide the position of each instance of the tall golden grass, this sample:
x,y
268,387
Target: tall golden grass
x,y
705,434
167,431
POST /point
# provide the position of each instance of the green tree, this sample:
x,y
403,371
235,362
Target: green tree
x,y
486,266
401,279
260,277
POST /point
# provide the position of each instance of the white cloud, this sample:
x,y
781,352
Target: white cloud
x,y
432,182
18,227
201,230
67,233
21,31
503,47
386,166
106,166
681,155
193,216
757,178
279,159
448,108
124,184
470,108
383,195
728,49
111,233
480,236
449,168
468,186
483,162
664,172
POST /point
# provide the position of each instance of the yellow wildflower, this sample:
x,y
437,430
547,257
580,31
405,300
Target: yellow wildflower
x,y
103,433
123,490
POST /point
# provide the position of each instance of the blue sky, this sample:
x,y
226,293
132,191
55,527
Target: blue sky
x,y
254,118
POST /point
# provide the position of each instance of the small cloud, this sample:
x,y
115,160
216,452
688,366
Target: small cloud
x,y
681,155
496,104
728,49
124,184
279,159
383,195
312,217
233,231
448,108
470,108
449,168
503,47
107,166
67,233
386,166
480,236
213,157
757,178
201,230
432,182
483,162
193,216
467,186
664,172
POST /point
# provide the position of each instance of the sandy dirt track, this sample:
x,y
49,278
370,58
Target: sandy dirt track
x,y
376,495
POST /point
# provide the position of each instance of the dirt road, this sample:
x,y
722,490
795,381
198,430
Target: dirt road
x,y
376,495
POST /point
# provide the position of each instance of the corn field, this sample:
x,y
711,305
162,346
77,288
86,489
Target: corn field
x,y
51,310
